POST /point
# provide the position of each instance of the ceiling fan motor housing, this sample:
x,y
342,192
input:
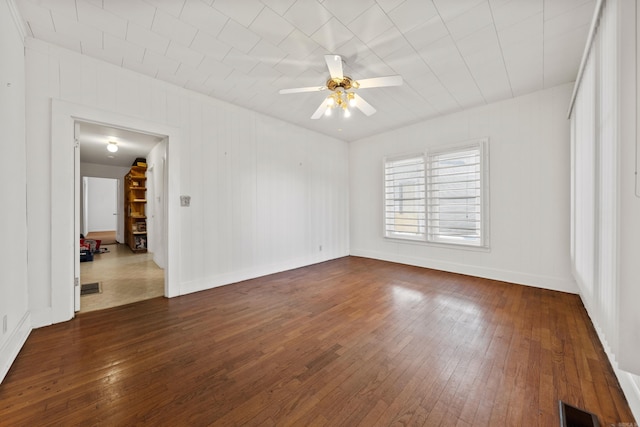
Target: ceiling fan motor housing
x,y
344,83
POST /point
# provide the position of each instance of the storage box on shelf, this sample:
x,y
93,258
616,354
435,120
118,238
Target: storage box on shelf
x,y
135,204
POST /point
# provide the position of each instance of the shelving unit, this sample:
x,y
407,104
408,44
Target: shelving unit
x,y
135,204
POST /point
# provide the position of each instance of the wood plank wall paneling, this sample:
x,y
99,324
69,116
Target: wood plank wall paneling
x,y
350,342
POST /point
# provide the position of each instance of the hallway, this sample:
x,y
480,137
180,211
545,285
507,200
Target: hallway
x,y
124,278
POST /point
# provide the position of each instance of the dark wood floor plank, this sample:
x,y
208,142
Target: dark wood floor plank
x,y
348,342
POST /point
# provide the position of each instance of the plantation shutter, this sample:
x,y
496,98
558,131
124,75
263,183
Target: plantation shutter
x,y
404,197
454,196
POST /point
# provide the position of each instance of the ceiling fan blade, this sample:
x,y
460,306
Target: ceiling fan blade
x,y
320,111
380,82
363,105
334,64
302,89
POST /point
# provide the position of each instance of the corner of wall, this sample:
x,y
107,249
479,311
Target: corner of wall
x,y
12,346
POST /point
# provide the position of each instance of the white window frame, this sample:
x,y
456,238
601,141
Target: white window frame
x,y
440,237
390,197
427,236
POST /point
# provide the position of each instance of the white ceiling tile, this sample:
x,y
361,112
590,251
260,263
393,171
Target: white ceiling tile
x,y
332,35
470,21
308,16
482,43
448,9
240,60
59,39
529,29
170,77
37,16
102,19
132,10
172,7
568,21
445,50
347,11
215,69
244,15
164,65
191,74
298,45
89,36
442,53
263,72
388,42
515,11
268,53
554,8
147,38
171,27
562,56
389,5
271,26
109,55
370,24
524,64
63,7
279,6
203,17
210,46
406,63
140,68
184,55
427,33
238,36
116,46
412,13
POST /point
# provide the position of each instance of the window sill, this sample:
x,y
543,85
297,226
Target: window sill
x,y
439,244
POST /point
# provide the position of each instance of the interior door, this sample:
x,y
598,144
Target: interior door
x,y
76,216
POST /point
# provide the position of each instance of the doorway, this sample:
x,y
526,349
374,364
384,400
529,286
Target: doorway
x,y
111,274
65,170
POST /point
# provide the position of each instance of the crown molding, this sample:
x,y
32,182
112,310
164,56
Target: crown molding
x,y
17,19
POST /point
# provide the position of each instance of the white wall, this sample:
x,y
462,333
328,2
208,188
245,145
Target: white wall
x,y
114,172
529,191
156,208
13,225
264,194
102,206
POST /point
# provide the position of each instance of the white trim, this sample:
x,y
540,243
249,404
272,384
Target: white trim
x,y
585,55
17,19
63,116
516,277
12,346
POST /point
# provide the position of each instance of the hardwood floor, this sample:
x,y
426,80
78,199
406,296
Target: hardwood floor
x,y
124,277
348,342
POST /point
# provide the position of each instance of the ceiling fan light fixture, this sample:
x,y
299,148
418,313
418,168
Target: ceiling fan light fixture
x,y
352,99
112,146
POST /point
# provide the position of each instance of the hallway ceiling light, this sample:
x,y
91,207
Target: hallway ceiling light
x,y
112,146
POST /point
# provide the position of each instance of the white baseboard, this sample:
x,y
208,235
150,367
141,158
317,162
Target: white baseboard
x,y
42,317
12,346
544,282
250,273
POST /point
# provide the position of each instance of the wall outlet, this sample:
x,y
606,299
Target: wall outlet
x,y
4,324
320,248
185,201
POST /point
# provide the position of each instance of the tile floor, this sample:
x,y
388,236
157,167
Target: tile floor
x,y
124,276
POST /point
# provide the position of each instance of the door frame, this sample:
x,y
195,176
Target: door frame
x,y
65,184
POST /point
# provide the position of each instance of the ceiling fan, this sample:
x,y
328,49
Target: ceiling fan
x,y
341,85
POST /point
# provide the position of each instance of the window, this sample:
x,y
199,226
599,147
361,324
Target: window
x,y
455,199
440,197
404,198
